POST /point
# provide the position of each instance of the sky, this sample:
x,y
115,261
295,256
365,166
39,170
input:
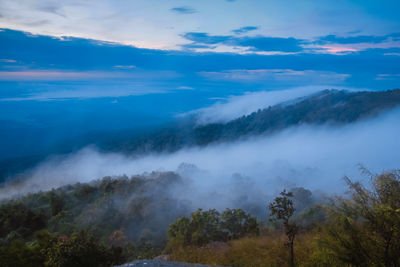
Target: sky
x,y
71,67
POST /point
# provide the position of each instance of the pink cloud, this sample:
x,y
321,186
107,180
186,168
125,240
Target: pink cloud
x,y
342,49
51,75
6,60
339,49
57,75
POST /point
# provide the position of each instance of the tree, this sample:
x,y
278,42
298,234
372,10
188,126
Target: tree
x,y
17,253
207,226
56,203
282,209
236,224
19,218
204,227
366,227
117,239
81,249
180,231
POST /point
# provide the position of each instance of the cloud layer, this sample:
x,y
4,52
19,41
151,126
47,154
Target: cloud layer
x,y
138,23
313,157
183,10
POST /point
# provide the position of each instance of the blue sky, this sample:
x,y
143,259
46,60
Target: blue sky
x,y
70,67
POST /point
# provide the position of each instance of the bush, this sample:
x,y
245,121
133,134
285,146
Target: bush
x,y
206,226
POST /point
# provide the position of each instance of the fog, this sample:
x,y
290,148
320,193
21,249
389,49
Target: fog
x,y
314,157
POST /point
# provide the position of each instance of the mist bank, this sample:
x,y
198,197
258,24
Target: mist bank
x,y
286,110
314,157
336,107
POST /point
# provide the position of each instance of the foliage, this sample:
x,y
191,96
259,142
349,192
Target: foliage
x,y
18,220
206,226
282,209
114,214
18,253
112,221
236,224
365,229
81,249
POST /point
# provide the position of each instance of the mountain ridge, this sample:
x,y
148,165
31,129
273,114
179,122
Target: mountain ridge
x,y
337,107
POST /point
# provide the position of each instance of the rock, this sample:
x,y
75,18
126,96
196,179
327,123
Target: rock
x,y
160,263
164,257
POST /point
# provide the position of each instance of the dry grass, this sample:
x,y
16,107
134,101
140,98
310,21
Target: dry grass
x,y
265,250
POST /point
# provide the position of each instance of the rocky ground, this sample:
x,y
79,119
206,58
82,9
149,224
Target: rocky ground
x,y
160,263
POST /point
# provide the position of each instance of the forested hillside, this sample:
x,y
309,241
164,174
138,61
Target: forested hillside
x,y
116,220
326,107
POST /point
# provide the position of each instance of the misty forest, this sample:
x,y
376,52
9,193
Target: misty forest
x,y
199,133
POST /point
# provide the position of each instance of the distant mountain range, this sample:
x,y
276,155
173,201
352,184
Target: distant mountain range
x,y
334,107
337,107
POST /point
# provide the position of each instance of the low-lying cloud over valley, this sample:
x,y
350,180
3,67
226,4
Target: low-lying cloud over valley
x,y
314,157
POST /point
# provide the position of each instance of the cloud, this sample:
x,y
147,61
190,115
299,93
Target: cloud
x,y
205,38
183,10
53,75
386,76
84,93
53,8
315,157
194,46
338,49
261,43
256,43
392,54
127,67
339,44
352,39
287,75
6,60
157,28
61,75
63,85
41,53
245,29
184,88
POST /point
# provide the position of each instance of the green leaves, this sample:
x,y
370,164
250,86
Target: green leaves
x,y
17,217
207,226
282,208
80,249
365,230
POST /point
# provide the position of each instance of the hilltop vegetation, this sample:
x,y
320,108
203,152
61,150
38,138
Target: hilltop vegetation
x,y
115,220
